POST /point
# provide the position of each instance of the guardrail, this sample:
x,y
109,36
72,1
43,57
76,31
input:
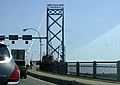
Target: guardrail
x,y
101,70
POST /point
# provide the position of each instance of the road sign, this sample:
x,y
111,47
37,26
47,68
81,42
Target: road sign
x,y
27,37
13,37
2,37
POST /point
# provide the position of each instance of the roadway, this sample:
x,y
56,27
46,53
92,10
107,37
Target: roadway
x,y
33,81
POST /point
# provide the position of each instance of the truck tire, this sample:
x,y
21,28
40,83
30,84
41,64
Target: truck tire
x,y
25,76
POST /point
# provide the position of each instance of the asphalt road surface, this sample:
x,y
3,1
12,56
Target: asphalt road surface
x,y
33,81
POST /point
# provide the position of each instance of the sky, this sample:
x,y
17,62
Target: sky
x,y
89,25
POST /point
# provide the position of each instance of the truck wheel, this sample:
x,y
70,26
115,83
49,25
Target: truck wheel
x,y
25,76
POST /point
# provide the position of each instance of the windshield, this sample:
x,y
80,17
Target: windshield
x,y
4,52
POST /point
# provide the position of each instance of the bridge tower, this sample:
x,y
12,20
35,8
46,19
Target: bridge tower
x,y
55,31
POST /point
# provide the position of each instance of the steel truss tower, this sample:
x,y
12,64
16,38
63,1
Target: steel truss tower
x,y
55,31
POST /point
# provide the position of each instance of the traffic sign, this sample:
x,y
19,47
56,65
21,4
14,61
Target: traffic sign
x,y
2,37
27,37
13,37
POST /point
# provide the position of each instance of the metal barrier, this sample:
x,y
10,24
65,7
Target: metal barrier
x,y
100,70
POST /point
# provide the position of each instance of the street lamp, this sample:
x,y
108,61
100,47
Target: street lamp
x,y
39,40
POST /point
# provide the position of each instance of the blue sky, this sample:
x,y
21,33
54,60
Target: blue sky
x,y
85,22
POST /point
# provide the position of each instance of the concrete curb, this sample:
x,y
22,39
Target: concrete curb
x,y
67,80
54,80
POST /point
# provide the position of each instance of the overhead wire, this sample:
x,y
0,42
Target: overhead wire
x,y
30,46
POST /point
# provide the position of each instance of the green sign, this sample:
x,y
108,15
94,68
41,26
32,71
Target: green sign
x,y
27,37
2,37
13,37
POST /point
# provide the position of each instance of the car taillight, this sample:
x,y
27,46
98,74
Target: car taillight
x,y
15,75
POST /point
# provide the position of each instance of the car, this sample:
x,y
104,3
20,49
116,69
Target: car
x,y
9,71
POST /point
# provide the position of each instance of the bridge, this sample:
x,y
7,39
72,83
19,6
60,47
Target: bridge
x,y
59,71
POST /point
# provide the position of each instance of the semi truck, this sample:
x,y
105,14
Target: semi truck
x,y
19,57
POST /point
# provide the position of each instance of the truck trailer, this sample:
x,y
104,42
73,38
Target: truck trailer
x,y
19,57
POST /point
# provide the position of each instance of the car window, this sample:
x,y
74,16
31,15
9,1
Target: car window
x,y
4,52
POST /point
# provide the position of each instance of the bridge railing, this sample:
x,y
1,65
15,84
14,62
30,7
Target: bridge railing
x,y
101,70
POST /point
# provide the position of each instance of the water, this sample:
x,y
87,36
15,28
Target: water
x,y
103,70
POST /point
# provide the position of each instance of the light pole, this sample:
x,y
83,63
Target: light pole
x,y
39,40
